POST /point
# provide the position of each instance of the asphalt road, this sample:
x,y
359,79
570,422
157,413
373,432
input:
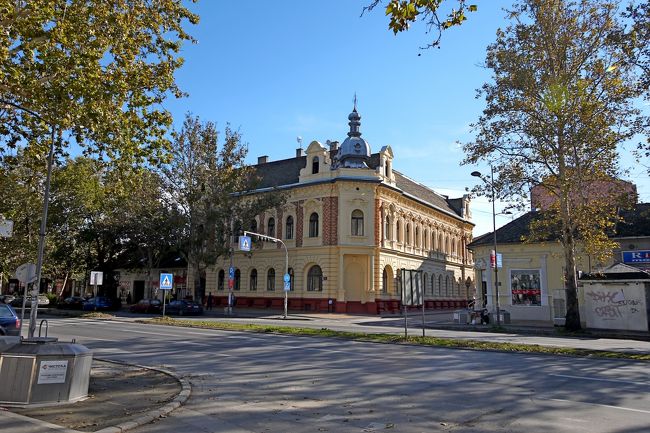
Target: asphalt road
x,y
244,382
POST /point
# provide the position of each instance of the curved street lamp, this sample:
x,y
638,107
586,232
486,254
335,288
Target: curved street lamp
x,y
41,235
494,237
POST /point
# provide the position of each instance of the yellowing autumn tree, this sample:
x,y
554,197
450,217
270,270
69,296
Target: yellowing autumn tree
x,y
560,101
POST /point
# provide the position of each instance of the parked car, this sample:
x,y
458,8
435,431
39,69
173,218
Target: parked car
x,y
184,307
71,303
9,321
43,301
147,306
7,299
98,303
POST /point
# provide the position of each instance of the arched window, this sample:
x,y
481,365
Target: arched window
x,y
220,279
398,229
417,236
447,286
407,237
387,174
433,284
314,165
292,279
439,249
425,239
289,228
253,282
313,225
315,279
384,281
270,280
237,283
270,227
440,285
357,223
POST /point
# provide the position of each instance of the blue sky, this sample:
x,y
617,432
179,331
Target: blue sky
x,y
289,68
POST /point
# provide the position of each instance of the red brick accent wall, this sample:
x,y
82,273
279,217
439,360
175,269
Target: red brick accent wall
x,y
299,223
279,225
330,220
378,222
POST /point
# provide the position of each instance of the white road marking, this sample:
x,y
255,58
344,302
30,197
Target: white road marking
x,y
601,380
629,409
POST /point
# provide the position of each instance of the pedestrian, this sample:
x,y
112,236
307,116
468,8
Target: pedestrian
x,y
209,301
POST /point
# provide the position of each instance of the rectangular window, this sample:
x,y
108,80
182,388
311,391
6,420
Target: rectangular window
x,y
525,287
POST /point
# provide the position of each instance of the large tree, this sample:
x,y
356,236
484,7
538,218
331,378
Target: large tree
x,y
560,103
98,70
207,182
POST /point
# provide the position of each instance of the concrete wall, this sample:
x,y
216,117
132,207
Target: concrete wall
x,y
615,305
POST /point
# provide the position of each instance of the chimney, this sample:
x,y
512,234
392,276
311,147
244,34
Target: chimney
x,y
334,145
262,159
299,152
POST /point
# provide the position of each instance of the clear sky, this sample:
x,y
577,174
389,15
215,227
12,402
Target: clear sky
x,y
276,70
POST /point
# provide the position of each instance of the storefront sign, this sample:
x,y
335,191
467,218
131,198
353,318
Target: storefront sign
x,y
641,256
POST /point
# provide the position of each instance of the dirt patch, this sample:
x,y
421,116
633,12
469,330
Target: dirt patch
x,y
116,394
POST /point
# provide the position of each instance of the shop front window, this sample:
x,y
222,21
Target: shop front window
x,y
526,288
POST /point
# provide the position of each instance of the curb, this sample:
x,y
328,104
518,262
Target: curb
x,y
147,417
144,418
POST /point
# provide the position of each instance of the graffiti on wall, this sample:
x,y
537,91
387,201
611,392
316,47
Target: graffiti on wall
x,y
613,304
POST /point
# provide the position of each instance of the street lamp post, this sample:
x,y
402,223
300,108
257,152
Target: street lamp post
x,y
494,239
41,233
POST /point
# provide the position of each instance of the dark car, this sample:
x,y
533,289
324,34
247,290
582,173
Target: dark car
x,y
98,303
7,299
71,303
9,321
43,301
184,308
147,306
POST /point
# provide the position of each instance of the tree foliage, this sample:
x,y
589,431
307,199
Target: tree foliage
x,y
98,70
207,182
561,101
404,13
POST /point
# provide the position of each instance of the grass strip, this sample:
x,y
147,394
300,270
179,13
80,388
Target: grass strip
x,y
398,339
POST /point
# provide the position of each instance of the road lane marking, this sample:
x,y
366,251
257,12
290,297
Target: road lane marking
x,y
568,376
629,409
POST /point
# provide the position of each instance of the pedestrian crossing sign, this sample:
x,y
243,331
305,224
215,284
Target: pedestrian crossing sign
x,y
166,281
245,243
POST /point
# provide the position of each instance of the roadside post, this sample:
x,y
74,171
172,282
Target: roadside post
x,y
96,279
26,274
166,283
287,288
245,242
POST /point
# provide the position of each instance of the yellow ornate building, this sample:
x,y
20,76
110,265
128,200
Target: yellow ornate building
x,y
350,223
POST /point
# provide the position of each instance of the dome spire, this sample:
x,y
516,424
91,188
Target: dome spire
x,y
355,120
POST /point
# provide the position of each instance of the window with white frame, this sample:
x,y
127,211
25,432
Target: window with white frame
x,y
315,279
313,225
525,287
357,223
289,228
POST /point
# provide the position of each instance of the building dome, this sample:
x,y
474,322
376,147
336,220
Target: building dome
x,y
354,151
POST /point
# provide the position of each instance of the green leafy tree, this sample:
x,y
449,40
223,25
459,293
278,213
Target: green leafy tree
x,y
403,13
207,182
151,225
20,182
561,101
98,70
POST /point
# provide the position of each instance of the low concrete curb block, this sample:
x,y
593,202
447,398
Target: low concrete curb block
x,y
147,417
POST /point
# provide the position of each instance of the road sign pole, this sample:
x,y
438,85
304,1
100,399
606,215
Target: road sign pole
x,y
286,262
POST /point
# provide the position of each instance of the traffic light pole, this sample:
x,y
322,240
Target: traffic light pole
x,y
286,262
